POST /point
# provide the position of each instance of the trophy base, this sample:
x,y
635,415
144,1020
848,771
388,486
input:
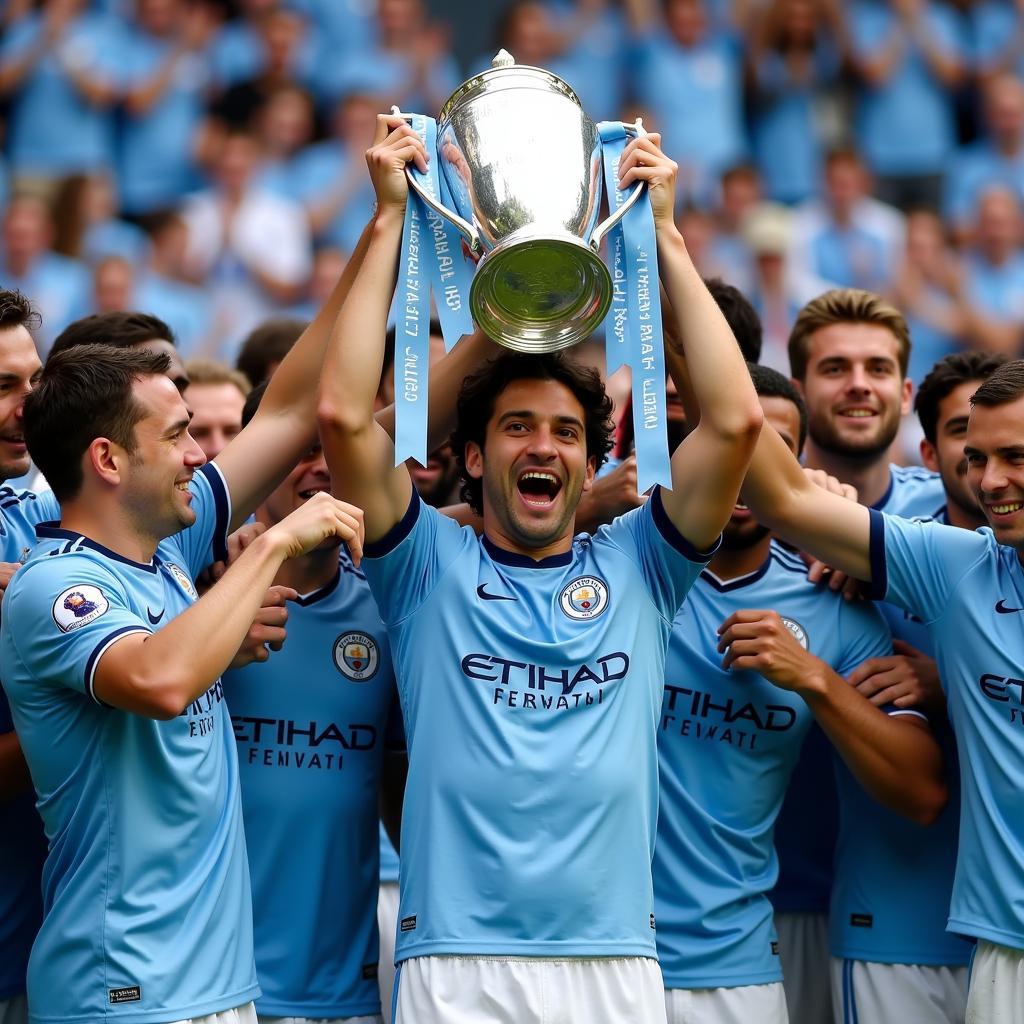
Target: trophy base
x,y
540,293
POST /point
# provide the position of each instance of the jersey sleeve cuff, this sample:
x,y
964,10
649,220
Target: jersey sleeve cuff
x,y
98,651
397,533
879,569
222,506
673,537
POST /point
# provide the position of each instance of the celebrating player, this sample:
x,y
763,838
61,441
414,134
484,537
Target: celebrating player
x,y
966,588
530,667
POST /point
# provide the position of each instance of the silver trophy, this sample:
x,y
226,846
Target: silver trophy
x,y
522,161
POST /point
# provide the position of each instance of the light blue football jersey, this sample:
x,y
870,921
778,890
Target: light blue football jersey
x,y
22,843
531,693
146,902
969,591
311,726
893,878
727,744
806,844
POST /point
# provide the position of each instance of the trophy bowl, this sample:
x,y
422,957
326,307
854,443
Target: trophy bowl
x,y
522,163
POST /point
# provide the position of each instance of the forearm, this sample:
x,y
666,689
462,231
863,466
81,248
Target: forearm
x,y
15,73
15,780
898,764
718,372
142,97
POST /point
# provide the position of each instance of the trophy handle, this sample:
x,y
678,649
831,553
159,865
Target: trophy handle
x,y
469,232
605,226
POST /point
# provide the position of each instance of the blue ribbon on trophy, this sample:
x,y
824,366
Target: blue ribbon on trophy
x,y
634,334
426,236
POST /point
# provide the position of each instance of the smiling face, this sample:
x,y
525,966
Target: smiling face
x,y
535,468
310,476
946,456
854,390
995,468
156,480
19,371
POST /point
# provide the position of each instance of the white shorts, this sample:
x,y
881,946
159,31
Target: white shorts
x,y
863,990
507,990
803,953
14,1010
996,994
387,925
239,1015
744,1004
375,1019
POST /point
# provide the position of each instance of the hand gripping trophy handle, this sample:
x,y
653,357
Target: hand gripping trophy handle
x,y
606,225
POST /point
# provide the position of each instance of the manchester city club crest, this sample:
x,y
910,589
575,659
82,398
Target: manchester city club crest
x,y
585,597
78,606
357,656
183,579
797,630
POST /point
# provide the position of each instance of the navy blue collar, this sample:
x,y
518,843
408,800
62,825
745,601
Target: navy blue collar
x,y
524,561
724,586
54,531
882,501
305,600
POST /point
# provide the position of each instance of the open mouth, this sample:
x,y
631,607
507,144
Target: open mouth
x,y
310,491
538,487
1005,508
16,440
857,413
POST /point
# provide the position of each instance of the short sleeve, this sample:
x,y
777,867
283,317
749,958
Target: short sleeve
x,y
917,565
668,562
205,541
403,567
61,615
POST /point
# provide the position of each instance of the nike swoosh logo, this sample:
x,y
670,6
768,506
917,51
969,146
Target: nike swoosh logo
x,y
1003,610
154,619
481,593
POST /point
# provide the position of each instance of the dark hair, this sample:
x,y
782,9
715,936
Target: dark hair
x,y
85,392
120,329
1004,385
16,311
740,315
769,383
480,391
268,344
252,403
945,377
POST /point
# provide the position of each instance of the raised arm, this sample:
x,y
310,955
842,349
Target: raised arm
x,y
360,452
285,424
708,467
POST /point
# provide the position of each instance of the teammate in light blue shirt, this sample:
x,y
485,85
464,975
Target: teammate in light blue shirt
x,y
90,639
311,726
530,666
967,588
714,860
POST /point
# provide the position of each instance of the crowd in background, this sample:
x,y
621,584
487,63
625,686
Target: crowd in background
x,y
203,159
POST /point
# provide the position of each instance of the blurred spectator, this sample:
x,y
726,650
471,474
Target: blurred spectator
x,y
60,66
330,178
262,351
215,396
250,246
86,225
998,36
284,125
925,290
779,289
59,286
411,64
347,26
909,54
796,53
278,50
728,253
698,230
689,76
847,237
992,296
113,285
166,79
328,265
997,158
163,289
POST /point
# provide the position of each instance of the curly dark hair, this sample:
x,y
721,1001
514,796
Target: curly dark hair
x,y
17,311
945,377
480,391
